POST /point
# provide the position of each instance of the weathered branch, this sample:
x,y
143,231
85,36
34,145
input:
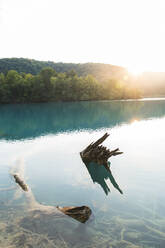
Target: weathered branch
x,y
81,214
20,182
95,152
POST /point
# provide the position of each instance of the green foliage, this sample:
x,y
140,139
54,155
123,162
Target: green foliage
x,y
100,71
150,83
49,86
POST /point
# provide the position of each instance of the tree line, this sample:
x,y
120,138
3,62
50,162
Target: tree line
x,y
99,70
49,85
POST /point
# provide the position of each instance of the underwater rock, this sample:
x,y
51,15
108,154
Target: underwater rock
x,y
20,240
132,236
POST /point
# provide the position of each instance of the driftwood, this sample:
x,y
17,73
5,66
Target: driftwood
x,y
81,214
98,154
95,157
20,182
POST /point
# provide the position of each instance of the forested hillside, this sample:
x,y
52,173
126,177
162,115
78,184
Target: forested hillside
x,y
148,83
100,71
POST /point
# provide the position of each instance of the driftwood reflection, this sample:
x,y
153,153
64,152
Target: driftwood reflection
x,y
99,174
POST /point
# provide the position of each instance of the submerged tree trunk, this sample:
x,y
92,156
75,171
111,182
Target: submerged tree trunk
x,y
81,214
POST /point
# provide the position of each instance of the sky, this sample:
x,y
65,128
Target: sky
x,y
128,33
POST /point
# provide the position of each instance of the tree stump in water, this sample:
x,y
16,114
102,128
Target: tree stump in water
x,y
98,153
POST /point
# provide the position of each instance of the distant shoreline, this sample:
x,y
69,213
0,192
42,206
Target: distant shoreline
x,y
108,100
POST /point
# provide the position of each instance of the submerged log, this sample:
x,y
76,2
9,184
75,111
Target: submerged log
x,y
20,182
81,214
98,154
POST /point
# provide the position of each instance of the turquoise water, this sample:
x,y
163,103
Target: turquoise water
x,y
41,142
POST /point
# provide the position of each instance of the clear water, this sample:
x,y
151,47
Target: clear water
x,y
42,142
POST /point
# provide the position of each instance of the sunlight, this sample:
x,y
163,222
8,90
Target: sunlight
x,y
139,42
134,121
135,71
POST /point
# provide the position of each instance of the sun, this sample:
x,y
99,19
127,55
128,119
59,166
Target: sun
x,y
135,71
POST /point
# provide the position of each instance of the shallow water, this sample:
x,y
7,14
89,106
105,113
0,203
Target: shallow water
x,y
42,142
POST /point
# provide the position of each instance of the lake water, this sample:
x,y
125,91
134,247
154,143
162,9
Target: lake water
x,y
41,142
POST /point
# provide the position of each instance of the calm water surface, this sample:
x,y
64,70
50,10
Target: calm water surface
x,y
42,142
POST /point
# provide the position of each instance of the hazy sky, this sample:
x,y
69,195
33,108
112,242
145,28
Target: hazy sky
x,y
130,33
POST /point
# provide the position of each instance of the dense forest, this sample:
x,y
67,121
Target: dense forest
x,y
49,85
149,83
100,71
